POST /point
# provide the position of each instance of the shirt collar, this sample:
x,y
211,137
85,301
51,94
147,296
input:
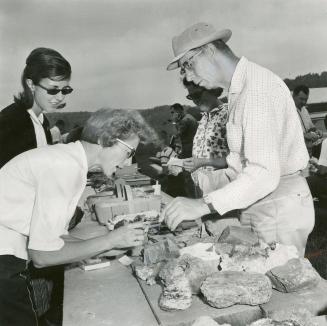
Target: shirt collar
x,y
239,75
39,119
214,111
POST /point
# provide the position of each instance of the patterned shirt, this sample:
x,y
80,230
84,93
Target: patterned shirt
x,y
264,136
210,138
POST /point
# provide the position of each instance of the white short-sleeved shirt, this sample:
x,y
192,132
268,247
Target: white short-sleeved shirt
x,y
39,191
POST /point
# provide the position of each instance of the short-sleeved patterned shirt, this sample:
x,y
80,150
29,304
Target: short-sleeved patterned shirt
x,y
210,138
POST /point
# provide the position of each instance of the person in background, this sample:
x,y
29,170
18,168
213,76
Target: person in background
x,y
57,130
186,126
39,190
265,140
312,135
209,144
23,124
318,181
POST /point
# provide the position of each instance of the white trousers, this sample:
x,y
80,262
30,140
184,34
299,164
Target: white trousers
x,y
285,216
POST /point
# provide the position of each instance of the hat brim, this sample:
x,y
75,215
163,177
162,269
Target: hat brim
x,y
223,35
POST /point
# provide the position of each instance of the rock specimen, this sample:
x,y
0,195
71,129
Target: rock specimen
x,y
295,275
206,321
301,316
238,235
225,289
148,273
181,278
159,251
270,322
258,258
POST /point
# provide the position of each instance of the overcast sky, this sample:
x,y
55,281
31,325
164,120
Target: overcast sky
x,y
119,49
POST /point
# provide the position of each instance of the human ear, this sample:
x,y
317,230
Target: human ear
x,y
30,84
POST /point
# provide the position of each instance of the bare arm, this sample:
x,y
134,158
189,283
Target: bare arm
x,y
72,251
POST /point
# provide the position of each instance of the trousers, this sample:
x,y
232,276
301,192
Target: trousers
x,y
285,216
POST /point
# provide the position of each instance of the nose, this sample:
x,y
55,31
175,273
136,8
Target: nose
x,y
60,96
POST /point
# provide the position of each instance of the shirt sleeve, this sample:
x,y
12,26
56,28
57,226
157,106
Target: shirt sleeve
x,y
323,154
51,209
261,167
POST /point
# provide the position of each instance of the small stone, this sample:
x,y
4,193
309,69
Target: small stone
x,y
159,251
295,275
225,289
238,235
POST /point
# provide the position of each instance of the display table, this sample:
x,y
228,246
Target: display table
x,y
112,296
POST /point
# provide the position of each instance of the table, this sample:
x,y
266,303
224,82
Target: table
x,y
112,296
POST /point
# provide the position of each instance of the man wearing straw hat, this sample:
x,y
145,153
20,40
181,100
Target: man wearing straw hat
x,y
264,135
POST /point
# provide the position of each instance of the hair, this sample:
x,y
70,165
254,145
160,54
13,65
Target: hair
x,y
301,88
41,63
215,91
177,107
222,46
106,125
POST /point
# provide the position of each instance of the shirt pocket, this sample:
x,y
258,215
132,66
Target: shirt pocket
x,y
234,137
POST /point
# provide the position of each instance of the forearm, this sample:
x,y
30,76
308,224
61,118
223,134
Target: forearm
x,y
218,163
72,251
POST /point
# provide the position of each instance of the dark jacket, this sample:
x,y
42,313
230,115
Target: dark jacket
x,y
17,133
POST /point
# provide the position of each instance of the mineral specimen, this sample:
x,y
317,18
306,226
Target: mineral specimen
x,y
224,289
295,275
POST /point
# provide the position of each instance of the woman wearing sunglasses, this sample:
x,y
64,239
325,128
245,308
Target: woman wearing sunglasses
x,y
45,82
209,144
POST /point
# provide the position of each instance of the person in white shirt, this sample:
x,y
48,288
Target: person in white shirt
x,y
264,135
312,135
39,191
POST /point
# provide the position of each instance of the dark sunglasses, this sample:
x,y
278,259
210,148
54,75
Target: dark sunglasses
x,y
194,96
54,91
132,149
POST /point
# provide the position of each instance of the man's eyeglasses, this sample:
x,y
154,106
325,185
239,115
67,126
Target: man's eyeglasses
x,y
188,63
194,96
54,91
132,149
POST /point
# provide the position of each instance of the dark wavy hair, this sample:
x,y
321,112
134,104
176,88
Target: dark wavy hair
x,y
41,63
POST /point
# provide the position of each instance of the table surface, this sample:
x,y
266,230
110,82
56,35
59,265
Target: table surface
x,y
112,296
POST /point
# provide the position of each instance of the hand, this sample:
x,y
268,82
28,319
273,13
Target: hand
x,y
131,235
174,170
183,209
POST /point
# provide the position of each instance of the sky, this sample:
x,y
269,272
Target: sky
x,y
119,49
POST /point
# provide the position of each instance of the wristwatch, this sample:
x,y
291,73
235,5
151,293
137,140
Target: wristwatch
x,y
208,202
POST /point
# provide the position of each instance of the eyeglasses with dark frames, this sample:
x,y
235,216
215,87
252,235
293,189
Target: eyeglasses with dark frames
x,y
54,91
132,149
188,63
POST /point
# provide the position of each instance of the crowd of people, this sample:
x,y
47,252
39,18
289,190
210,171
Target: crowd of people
x,y
246,153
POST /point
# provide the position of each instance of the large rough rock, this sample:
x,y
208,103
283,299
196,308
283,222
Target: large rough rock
x,y
181,277
225,289
295,275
